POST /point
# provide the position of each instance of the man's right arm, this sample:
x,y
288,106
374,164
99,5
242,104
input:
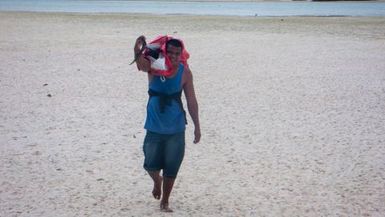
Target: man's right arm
x,y
142,63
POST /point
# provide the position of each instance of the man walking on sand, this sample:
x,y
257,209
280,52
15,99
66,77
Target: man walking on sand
x,y
164,143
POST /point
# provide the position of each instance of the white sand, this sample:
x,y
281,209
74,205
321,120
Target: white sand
x,y
292,116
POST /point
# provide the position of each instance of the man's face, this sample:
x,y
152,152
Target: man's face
x,y
174,54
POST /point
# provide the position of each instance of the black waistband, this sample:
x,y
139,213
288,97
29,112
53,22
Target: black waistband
x,y
165,99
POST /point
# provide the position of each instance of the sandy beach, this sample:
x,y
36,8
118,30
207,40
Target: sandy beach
x,y
292,116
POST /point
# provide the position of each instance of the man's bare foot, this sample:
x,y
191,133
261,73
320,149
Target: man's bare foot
x,y
164,207
157,191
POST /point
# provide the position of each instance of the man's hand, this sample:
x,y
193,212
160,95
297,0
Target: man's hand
x,y
140,42
140,46
197,134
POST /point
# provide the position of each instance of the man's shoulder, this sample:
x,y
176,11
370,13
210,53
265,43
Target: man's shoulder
x,y
186,70
187,76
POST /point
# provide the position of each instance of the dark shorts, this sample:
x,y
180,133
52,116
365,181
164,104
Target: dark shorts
x,y
164,152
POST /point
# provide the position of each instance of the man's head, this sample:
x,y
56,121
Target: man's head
x,y
174,50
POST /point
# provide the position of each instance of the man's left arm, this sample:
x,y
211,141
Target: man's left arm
x,y
192,103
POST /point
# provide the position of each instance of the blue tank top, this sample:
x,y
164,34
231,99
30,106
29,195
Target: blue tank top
x,y
172,118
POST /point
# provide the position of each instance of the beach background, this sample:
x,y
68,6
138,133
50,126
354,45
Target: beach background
x,y
291,110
